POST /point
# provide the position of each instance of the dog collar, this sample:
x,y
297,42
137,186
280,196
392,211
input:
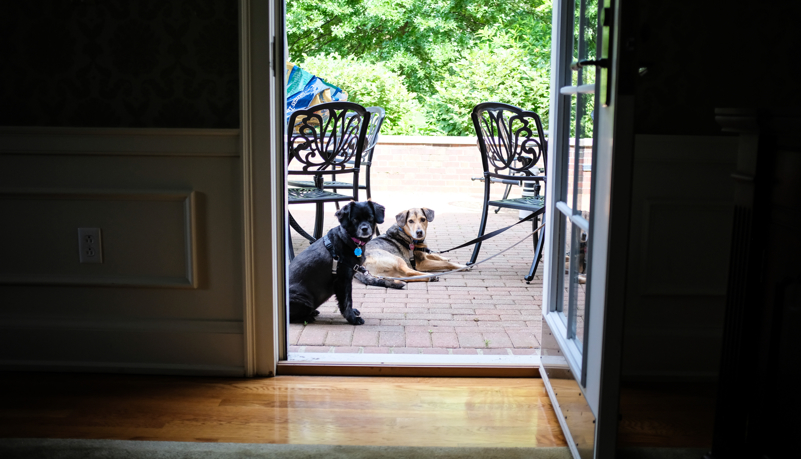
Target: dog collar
x,y
411,252
359,243
411,244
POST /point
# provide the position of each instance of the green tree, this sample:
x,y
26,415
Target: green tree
x,y
372,84
495,70
433,45
416,38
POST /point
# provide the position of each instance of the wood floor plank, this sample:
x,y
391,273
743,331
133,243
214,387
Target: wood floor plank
x,y
399,411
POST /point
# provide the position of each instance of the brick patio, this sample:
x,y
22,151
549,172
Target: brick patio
x,y
488,311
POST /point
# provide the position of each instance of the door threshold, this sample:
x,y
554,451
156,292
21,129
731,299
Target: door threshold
x,y
491,366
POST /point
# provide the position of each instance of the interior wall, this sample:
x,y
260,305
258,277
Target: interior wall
x,y
115,63
94,101
701,56
168,295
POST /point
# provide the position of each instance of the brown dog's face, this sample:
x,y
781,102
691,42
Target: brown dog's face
x,y
415,222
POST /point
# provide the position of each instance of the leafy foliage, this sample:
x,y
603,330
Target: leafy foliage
x,y
372,84
496,70
451,54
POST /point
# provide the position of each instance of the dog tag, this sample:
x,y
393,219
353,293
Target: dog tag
x,y
358,252
411,246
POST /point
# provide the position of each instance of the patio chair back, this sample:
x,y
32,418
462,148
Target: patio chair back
x,y
329,139
511,140
377,115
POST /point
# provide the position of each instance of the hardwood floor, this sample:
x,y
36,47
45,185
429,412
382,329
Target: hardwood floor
x,y
285,409
669,415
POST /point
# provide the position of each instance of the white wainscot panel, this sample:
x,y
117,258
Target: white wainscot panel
x,y
148,238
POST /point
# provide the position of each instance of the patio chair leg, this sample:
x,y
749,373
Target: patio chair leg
x,y
335,190
290,247
369,194
294,224
505,195
483,224
537,254
318,221
367,183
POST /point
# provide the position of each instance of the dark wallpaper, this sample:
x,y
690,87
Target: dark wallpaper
x,y
117,63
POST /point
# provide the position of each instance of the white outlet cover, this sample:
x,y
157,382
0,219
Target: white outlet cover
x,y
90,247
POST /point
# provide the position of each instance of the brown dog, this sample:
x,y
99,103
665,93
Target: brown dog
x,y
390,255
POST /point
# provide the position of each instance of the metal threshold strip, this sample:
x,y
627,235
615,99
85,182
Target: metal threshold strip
x,y
411,365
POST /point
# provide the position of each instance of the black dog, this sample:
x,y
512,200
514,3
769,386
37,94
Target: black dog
x,y
311,280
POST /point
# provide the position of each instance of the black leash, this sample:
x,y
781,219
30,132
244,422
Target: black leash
x,y
488,235
466,268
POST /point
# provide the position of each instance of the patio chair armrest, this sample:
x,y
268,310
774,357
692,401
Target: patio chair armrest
x,y
535,178
498,180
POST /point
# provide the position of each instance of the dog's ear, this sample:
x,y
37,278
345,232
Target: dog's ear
x,y
344,212
379,211
428,213
400,219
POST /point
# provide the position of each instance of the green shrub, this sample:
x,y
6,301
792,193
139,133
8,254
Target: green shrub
x,y
497,69
372,85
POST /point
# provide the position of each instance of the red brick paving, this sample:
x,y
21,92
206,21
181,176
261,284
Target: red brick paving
x,y
489,310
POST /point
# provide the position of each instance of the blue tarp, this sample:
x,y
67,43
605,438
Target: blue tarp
x,y
304,90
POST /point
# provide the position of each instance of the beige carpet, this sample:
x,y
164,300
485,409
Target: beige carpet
x,y
113,449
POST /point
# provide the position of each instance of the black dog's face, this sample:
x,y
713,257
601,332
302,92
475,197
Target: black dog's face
x,y
360,218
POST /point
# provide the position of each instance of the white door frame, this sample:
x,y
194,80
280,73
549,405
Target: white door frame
x,y
600,362
263,196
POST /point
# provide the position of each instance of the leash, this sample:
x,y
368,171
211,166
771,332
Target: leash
x,y
489,235
466,268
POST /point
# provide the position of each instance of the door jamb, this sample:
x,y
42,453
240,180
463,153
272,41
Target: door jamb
x,y
262,155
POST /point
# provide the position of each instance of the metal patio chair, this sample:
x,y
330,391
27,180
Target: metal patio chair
x,y
328,140
377,115
512,144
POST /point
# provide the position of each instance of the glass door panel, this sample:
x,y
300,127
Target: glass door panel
x,y
580,143
575,157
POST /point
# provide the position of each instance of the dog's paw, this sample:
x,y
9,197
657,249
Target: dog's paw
x,y
356,321
397,284
434,279
315,313
356,311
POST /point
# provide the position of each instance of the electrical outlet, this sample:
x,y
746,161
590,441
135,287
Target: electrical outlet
x,y
90,249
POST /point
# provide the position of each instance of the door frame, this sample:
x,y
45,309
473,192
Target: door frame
x,y
263,196
611,195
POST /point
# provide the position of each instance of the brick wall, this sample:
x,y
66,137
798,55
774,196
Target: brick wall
x,y
426,164
433,164
438,165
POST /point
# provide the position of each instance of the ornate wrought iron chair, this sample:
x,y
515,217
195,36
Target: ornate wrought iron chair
x,y
329,139
512,144
377,115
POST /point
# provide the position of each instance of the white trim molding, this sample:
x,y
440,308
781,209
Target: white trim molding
x,y
119,141
139,368
263,170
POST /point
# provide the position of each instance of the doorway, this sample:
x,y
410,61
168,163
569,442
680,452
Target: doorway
x,y
488,315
